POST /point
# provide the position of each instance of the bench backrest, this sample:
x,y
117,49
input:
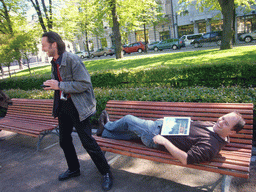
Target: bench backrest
x,y
35,110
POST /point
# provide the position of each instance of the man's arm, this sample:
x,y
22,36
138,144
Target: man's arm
x,y
176,152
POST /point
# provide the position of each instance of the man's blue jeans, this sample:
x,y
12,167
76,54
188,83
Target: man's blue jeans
x,y
130,127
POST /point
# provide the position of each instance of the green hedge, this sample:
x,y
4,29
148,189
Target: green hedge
x,y
24,82
207,75
191,94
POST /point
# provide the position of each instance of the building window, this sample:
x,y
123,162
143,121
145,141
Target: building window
x,y
186,30
202,27
217,25
246,24
164,35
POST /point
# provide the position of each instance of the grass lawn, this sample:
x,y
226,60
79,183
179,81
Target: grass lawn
x,y
212,56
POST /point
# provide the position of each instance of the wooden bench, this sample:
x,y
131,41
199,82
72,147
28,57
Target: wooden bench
x,y
31,117
232,161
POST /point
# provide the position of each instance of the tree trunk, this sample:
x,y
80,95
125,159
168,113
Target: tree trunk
x,y
26,56
116,30
87,46
227,9
48,14
146,39
39,14
9,70
7,17
20,62
2,71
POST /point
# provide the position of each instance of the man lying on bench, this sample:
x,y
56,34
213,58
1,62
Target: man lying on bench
x,y
203,143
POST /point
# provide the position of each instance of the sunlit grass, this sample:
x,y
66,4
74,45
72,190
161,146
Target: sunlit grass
x,y
213,56
35,71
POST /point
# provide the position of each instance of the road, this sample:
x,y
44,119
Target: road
x,y
183,49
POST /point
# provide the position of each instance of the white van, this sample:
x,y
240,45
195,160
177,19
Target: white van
x,y
189,38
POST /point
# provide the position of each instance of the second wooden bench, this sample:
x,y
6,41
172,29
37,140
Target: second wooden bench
x,y
233,160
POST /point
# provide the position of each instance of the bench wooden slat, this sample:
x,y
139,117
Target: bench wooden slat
x,y
154,117
182,104
32,117
177,111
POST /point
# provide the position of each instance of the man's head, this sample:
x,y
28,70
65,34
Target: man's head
x,y
227,123
52,44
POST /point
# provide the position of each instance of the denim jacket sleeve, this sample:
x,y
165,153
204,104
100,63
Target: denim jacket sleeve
x,y
76,80
75,76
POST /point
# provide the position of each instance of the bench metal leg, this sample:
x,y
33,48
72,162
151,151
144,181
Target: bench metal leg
x,y
211,187
226,181
44,134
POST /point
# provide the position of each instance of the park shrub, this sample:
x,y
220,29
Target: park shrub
x,y
200,94
24,82
207,75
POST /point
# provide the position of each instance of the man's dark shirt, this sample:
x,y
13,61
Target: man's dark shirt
x,y
57,92
201,144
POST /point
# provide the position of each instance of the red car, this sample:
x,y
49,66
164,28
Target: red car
x,y
134,47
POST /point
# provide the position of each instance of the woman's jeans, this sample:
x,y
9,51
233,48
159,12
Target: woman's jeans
x,y
131,127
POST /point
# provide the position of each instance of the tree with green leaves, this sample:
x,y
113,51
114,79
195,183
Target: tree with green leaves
x,y
227,8
16,38
11,19
126,16
148,14
80,18
26,42
7,54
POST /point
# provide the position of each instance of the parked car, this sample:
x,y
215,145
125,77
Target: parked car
x,y
169,44
103,52
248,37
209,37
125,45
189,38
82,54
151,45
134,47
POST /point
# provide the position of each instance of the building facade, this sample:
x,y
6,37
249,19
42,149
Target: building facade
x,y
179,20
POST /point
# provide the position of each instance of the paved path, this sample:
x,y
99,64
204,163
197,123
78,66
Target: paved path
x,y
22,169
15,68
